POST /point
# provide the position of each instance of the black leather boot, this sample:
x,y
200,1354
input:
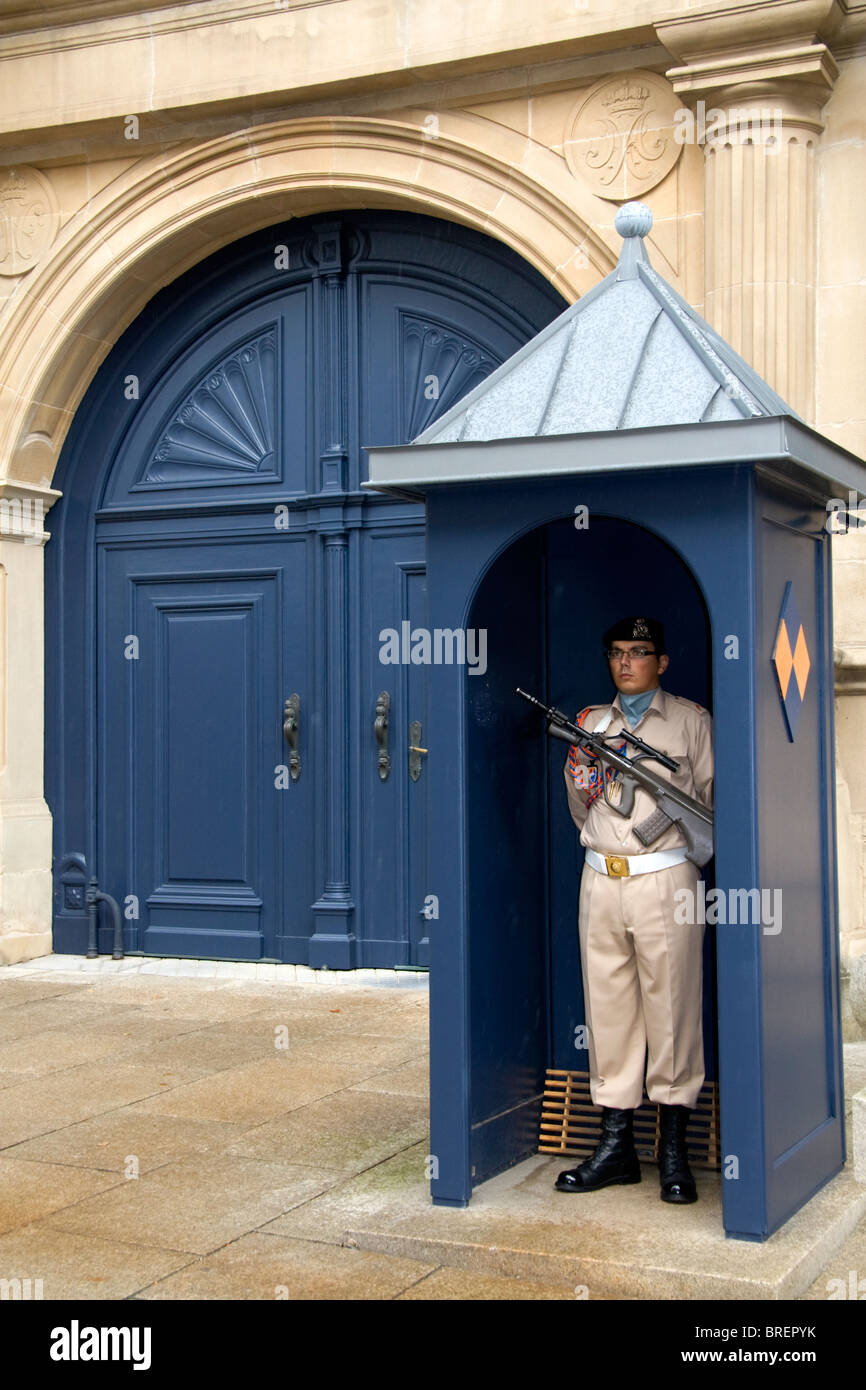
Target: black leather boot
x,y
614,1160
676,1179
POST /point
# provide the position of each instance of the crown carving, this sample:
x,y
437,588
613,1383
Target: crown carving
x,y
14,190
626,98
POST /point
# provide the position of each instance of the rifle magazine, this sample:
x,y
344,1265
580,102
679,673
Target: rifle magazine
x,y
653,826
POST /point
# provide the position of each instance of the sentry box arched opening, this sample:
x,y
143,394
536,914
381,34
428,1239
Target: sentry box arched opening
x,y
628,459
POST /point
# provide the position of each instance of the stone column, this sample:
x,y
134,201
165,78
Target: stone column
x,y
760,253
25,821
756,96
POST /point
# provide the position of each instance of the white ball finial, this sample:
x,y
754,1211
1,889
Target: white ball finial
x,y
633,219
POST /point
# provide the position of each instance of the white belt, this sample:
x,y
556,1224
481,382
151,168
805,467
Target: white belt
x,y
625,866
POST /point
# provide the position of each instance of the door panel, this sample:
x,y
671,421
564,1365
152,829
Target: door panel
x,y
415,715
393,809
233,412
195,661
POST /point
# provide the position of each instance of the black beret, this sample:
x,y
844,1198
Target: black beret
x,y
637,630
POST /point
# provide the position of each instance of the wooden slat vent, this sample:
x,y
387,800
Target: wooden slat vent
x,y
571,1124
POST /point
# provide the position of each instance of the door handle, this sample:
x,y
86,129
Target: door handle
x,y
415,751
380,729
292,733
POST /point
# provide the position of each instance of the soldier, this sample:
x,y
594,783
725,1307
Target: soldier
x,y
641,969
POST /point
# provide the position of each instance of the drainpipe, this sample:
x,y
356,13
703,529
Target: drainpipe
x,y
95,896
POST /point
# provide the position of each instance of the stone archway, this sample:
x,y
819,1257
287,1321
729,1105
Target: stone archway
x,y
142,231
167,212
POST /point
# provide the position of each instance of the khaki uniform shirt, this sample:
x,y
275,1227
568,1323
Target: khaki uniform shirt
x,y
674,726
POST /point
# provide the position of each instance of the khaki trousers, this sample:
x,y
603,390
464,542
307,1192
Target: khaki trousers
x,y
642,976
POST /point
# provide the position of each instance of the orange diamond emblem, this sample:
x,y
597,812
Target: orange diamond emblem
x,y
783,658
791,658
801,662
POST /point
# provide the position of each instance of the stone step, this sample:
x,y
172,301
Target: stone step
x,y
621,1242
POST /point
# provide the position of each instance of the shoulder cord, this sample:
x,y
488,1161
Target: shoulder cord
x,y
587,778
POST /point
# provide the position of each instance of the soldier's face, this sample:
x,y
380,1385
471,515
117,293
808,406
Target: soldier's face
x,y
635,674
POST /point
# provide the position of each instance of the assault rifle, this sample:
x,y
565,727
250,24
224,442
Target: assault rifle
x,y
673,807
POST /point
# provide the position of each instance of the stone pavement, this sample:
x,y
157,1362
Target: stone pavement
x,y
193,1130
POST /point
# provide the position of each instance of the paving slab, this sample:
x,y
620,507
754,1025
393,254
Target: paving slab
x,y
11,1078
217,1047
254,1093
107,1142
59,1011
134,1030
351,1130
24,991
78,1266
292,1023
369,1050
57,1049
206,1051
370,998
209,1000
326,1016
274,1267
196,1204
410,1079
843,1277
459,1285
379,1188
46,1103
30,1190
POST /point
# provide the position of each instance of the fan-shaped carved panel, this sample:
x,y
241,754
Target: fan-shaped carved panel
x,y
440,365
225,426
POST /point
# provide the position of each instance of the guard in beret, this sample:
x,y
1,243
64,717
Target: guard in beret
x,y
641,968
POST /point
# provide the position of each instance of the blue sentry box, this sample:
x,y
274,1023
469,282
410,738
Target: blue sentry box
x,y
719,529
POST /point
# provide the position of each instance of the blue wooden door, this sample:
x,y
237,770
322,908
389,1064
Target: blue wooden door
x,y
198,654
213,556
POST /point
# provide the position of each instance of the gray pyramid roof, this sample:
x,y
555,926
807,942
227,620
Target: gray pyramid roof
x,y
630,353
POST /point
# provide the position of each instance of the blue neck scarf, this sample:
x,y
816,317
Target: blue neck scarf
x,y
634,706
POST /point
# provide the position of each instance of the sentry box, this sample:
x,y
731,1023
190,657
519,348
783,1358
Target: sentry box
x,y
628,460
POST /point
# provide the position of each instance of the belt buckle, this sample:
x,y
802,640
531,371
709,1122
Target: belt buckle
x,y
617,865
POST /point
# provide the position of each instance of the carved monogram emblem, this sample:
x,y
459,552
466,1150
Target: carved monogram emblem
x,y
29,218
620,139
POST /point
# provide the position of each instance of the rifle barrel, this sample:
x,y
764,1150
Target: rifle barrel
x,y
648,750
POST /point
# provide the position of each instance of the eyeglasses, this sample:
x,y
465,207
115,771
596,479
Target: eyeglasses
x,y
614,654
